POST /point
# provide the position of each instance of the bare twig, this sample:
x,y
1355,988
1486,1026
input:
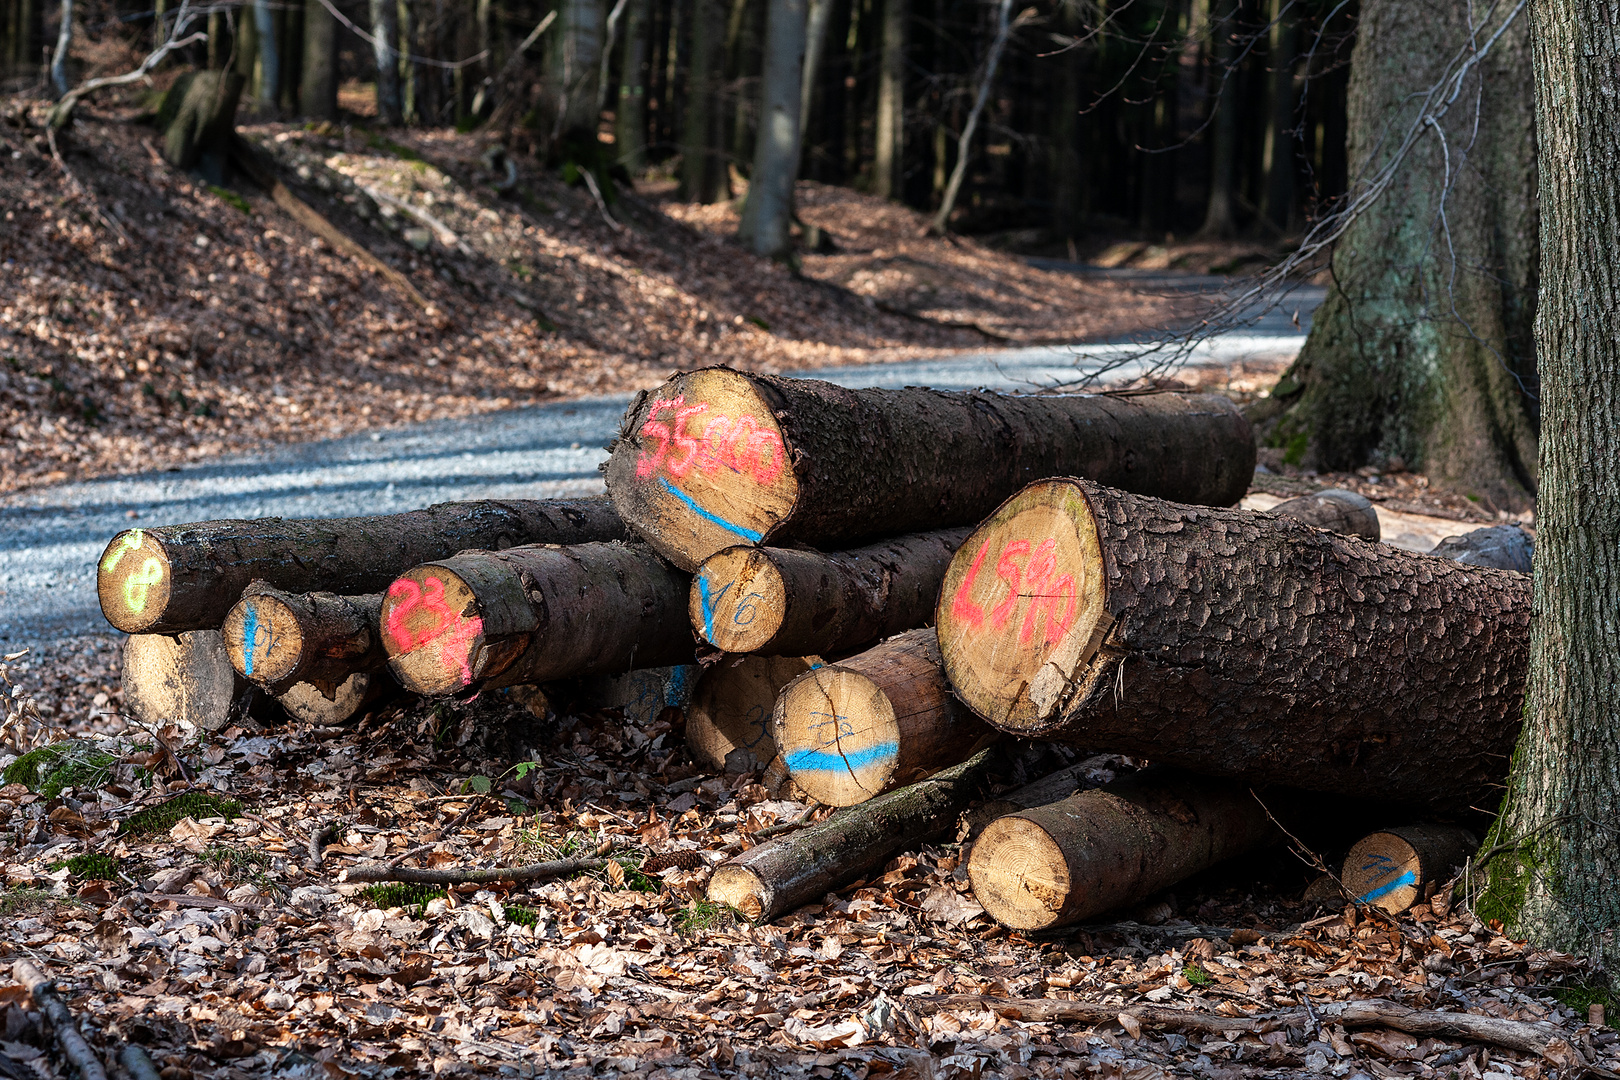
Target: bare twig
x,y
318,839
62,111
137,1063
545,871
67,1033
447,236
596,193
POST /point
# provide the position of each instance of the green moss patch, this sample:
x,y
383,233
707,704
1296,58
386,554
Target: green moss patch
x,y
1582,996
703,915
155,820
522,916
401,894
91,866
51,769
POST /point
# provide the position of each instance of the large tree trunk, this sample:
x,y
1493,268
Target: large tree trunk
x,y
385,51
1236,643
630,113
891,103
317,86
703,165
573,69
1558,885
769,212
717,457
1423,350
186,577
795,601
198,121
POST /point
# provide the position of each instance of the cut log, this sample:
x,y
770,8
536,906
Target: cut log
x,y
1232,642
1082,776
728,722
183,679
1335,510
852,730
791,602
717,457
277,638
186,577
1504,547
487,619
1111,846
1395,868
331,704
789,871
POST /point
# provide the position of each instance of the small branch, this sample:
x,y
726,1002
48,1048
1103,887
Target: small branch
x,y
137,1063
68,1035
596,193
318,839
447,236
62,111
545,871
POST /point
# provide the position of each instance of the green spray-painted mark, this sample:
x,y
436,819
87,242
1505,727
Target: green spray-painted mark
x,y
139,584
132,540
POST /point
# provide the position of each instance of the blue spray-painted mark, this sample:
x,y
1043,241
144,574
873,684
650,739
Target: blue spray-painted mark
x,y
1407,878
746,534
250,630
708,605
821,761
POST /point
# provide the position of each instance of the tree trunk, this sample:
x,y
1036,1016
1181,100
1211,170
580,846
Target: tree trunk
x,y
789,871
59,58
794,601
573,66
1395,868
1423,350
317,89
186,577
1235,643
1557,885
385,51
487,619
891,104
812,462
769,212
1111,846
728,723
277,638
198,122
330,704
183,679
409,99
703,166
1069,189
1505,547
1277,153
290,25
1219,220
940,222
266,87
630,115
815,47
1335,510
852,730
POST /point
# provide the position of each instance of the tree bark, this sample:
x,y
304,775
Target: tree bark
x,y
266,83
277,638
718,457
769,212
891,104
198,120
59,58
1556,884
940,222
1235,643
1335,510
385,51
815,47
186,577
1054,787
317,87
1115,845
573,68
789,871
794,601
1395,868
703,166
852,730
728,725
1423,350
1504,547
183,679
486,619
630,114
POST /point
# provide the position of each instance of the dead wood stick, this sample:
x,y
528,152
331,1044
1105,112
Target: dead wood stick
x,y
68,1036
544,871
137,1062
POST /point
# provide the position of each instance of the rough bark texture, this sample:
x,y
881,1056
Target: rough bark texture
x,y
852,730
184,679
717,457
198,119
277,638
1335,510
782,874
1423,350
1563,803
1102,849
1395,868
486,619
1236,643
1505,547
792,601
728,725
186,577
769,212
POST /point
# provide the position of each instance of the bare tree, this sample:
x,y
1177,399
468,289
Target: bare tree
x,y
769,212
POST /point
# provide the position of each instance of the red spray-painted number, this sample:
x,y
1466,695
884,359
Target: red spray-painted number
x,y
452,632
1036,581
735,443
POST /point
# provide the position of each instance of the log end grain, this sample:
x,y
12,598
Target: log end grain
x,y
328,706
133,581
738,600
740,888
1395,868
433,631
264,639
728,720
182,678
702,465
1020,874
838,735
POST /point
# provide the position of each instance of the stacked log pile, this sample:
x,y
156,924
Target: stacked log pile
x,y
891,593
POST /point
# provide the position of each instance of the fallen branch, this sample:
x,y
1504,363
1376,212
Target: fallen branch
x,y
601,204
68,1036
137,1063
545,871
447,236
62,111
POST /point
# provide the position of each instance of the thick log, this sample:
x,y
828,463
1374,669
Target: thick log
x,y
789,871
329,704
183,679
852,730
1111,846
186,577
487,619
716,457
1395,868
1232,642
1504,547
1335,510
277,638
728,725
794,602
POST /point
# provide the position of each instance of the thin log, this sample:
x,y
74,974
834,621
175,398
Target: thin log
x,y
488,619
67,1033
1115,845
1335,510
277,638
794,602
1504,547
1232,642
544,871
1054,787
717,457
1395,868
184,679
784,873
728,721
329,704
852,730
187,577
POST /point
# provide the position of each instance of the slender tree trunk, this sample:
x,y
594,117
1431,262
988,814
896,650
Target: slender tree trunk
x,y
630,116
573,66
1423,351
964,145
769,212
410,98
1219,221
317,91
1070,182
64,38
266,87
886,155
1563,805
815,45
703,167
218,45
1277,154
385,49
290,26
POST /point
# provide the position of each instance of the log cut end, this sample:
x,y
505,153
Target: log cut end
x,y
264,639
182,678
838,735
741,888
1020,874
1396,868
327,705
1335,510
132,581
433,630
738,600
702,465
728,721
1023,608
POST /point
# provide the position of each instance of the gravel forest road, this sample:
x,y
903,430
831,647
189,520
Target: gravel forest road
x,y
51,537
